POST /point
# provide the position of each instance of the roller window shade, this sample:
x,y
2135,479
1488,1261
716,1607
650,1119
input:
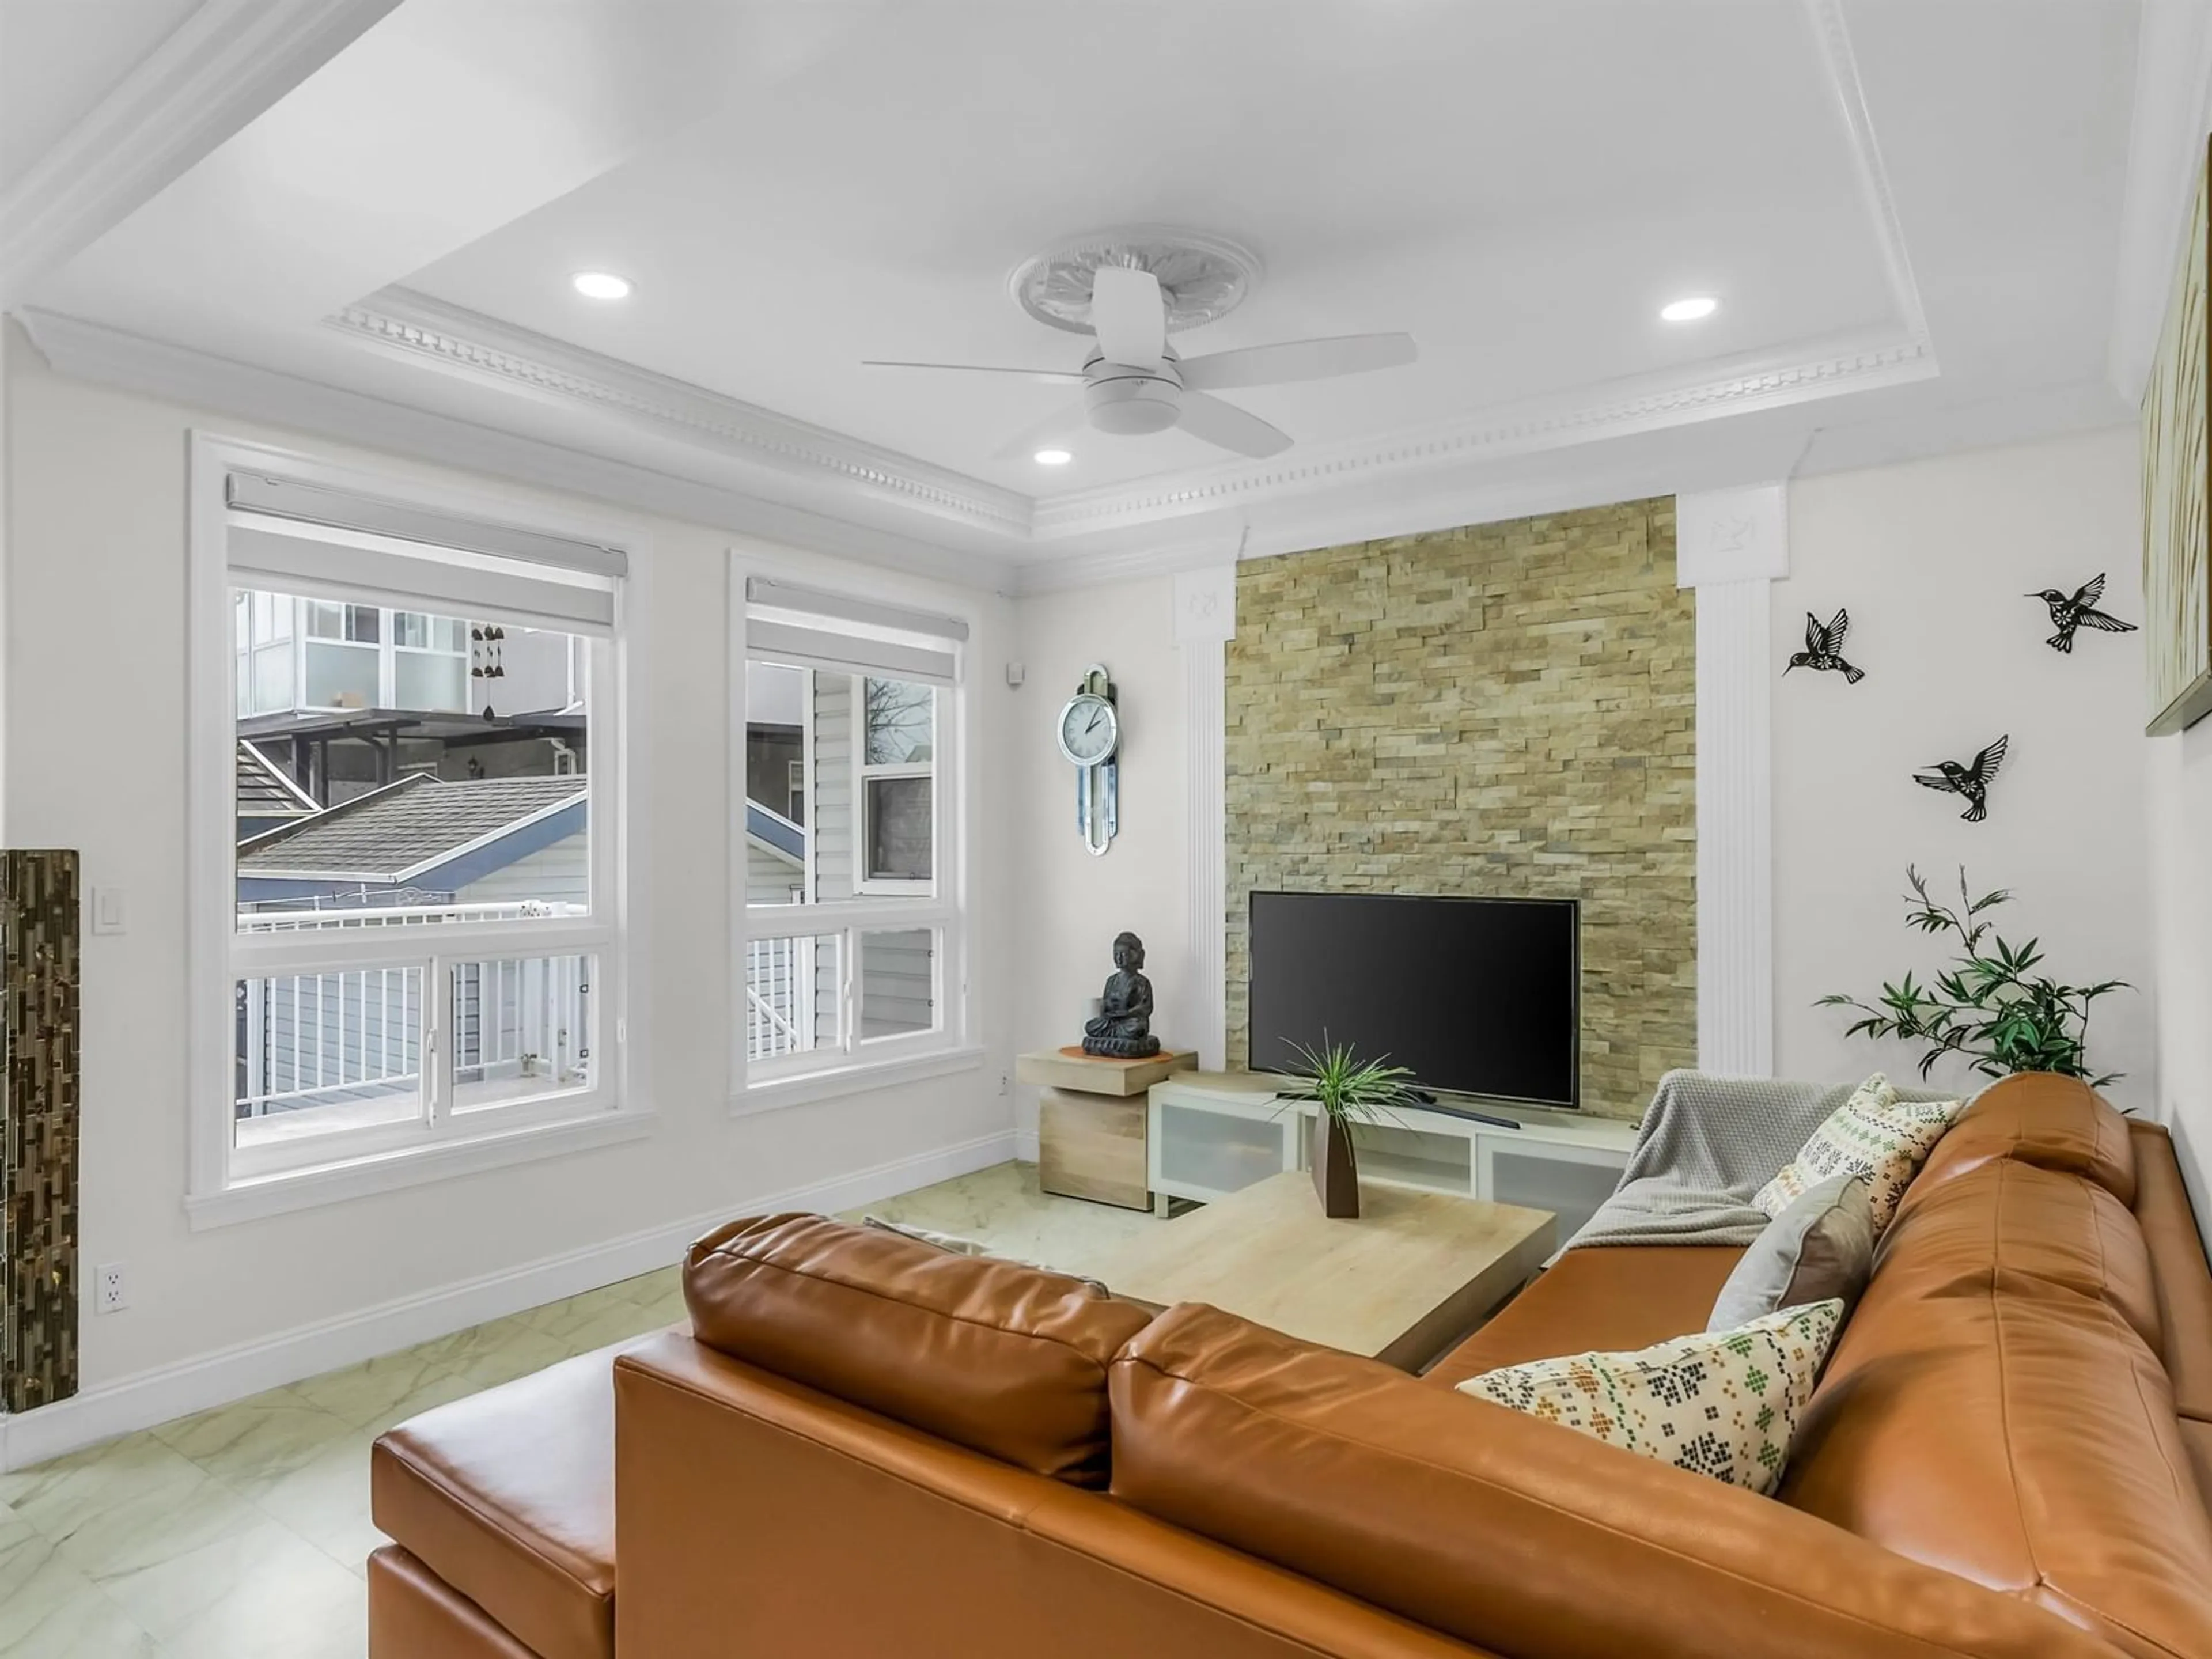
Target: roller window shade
x,y
815,647
765,594
805,629
335,509
325,563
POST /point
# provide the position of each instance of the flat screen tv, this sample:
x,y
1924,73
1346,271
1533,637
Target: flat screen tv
x,y
1478,996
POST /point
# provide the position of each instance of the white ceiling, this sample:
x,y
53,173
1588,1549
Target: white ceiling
x,y
59,58
1912,210
1520,187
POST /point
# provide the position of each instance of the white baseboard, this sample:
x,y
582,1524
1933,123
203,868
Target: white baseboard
x,y
1025,1145
137,1403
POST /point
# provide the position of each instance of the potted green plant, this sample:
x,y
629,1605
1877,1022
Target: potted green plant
x,y
1348,1090
1989,1008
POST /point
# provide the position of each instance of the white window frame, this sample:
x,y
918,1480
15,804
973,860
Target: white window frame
x,y
940,906
226,1183
863,769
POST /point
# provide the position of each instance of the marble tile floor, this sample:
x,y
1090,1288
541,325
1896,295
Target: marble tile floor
x,y
242,1533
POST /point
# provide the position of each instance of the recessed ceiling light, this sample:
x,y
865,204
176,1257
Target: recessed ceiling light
x,y
1689,310
601,285
1052,458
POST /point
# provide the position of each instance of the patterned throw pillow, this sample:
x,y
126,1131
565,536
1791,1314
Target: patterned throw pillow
x,y
1874,1134
1721,1403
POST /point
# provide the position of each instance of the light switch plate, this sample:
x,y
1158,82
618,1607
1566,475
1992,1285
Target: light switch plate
x,y
108,910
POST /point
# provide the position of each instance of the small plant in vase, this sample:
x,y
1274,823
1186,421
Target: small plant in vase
x,y
1348,1090
1989,1008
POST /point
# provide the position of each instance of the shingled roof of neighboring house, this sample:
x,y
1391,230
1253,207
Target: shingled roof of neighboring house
x,y
266,791
396,833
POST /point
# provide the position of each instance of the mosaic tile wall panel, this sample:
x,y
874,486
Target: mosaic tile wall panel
x,y
39,1103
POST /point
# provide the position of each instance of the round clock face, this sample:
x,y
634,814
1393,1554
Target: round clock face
x,y
1088,729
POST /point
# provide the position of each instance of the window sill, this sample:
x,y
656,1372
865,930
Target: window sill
x,y
412,1166
808,1087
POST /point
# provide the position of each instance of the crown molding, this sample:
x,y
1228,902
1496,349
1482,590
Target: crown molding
x,y
1833,36
1525,428
223,65
427,332
179,375
421,329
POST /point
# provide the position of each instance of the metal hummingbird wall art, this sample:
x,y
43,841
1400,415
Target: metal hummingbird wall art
x,y
1970,780
2079,610
1824,647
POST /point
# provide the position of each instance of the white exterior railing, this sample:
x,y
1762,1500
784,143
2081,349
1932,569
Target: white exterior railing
x,y
401,916
320,1039
523,1017
317,1039
779,997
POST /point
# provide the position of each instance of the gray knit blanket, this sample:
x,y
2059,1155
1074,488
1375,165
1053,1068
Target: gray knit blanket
x,y
1708,1143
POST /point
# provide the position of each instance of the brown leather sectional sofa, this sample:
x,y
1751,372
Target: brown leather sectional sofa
x,y
865,1447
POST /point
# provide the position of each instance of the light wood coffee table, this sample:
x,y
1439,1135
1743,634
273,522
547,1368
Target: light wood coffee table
x,y
1416,1271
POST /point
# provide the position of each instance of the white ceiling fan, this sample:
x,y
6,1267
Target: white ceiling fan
x,y
1133,382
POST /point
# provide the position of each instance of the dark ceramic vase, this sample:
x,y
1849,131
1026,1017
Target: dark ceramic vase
x,y
1335,1171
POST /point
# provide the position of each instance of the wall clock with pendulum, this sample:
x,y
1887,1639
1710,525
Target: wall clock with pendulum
x,y
1090,737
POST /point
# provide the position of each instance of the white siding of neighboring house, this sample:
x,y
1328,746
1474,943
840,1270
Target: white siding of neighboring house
x,y
895,978
770,877
832,788
560,873
895,982
830,813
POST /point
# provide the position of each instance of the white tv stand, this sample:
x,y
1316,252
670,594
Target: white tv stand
x,y
1211,1134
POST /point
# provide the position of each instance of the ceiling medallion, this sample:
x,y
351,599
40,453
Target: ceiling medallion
x,y
1202,277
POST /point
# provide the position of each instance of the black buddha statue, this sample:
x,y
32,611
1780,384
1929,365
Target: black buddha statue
x,y
1123,1029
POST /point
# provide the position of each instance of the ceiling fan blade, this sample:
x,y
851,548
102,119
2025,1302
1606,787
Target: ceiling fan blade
x,y
1128,316
1229,427
1297,360
1051,433
1048,375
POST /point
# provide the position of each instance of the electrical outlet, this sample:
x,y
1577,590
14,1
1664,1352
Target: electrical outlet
x,y
1005,1082
112,1296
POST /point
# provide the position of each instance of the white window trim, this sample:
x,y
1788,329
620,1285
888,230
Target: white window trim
x,y
872,1062
221,1185
863,770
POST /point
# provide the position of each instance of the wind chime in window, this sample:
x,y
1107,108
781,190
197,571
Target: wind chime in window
x,y
484,640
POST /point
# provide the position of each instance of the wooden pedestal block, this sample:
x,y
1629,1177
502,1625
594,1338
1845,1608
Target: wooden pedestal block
x,y
1093,1146
1091,1121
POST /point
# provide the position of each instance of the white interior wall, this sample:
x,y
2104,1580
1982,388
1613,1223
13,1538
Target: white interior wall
x,y
1072,904
94,741
1933,559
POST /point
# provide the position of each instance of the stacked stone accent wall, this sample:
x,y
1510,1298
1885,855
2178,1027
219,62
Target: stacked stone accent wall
x,y
1504,710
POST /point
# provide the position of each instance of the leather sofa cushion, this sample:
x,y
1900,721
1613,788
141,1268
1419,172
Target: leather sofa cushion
x,y
1508,1533
1003,1359
2177,1258
415,1614
2053,1122
1992,1411
508,1497
1602,1299
2059,1230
